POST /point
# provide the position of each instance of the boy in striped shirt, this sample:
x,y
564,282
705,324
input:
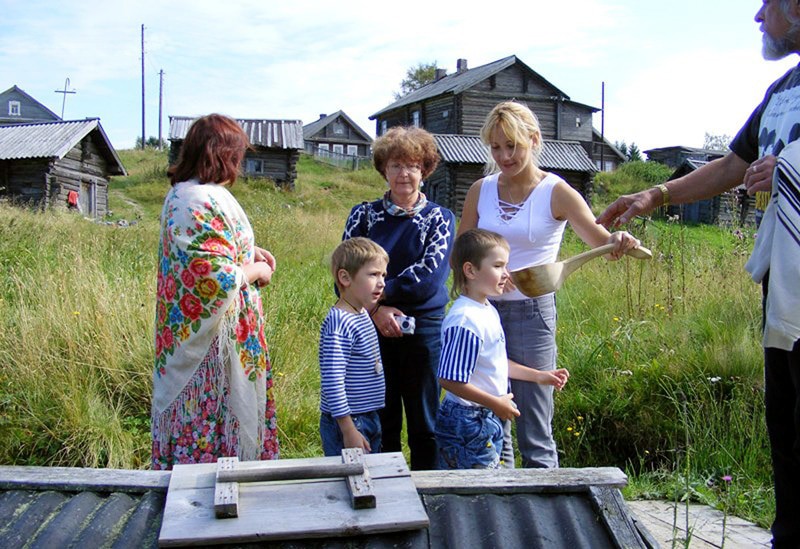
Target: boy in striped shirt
x,y
474,367
352,386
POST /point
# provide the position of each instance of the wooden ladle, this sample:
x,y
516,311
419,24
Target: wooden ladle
x,y
543,279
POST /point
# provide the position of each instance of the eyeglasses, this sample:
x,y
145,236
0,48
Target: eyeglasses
x,y
397,167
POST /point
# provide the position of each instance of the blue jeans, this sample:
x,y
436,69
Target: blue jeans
x,y
469,437
368,424
410,364
530,329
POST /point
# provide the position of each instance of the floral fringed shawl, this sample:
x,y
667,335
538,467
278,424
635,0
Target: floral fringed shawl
x,y
207,314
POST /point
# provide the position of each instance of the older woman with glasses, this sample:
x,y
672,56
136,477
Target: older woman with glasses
x,y
417,234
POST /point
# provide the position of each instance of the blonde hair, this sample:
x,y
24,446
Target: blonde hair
x,y
353,254
472,246
409,144
519,124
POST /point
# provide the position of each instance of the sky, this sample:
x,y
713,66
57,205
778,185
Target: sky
x,y
673,71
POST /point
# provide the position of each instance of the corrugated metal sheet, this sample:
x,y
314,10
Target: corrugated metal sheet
x,y
72,507
556,155
278,134
54,140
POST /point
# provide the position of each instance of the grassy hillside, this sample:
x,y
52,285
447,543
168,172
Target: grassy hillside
x,y
665,355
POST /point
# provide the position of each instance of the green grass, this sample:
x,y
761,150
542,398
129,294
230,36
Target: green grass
x,y
657,349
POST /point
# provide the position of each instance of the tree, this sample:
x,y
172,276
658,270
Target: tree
x,y
416,77
717,142
631,153
152,143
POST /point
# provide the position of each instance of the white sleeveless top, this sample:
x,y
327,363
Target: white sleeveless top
x,y
532,232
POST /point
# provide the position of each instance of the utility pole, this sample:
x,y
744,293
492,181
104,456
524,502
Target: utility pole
x,y
144,137
160,102
603,127
65,91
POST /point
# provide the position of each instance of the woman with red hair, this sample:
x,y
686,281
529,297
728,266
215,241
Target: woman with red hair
x,y
212,376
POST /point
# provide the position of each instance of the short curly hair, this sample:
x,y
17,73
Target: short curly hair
x,y
406,144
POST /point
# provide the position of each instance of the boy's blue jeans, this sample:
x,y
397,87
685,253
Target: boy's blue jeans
x,y
368,424
469,437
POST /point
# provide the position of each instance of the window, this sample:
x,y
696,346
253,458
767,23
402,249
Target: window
x,y
338,149
323,149
352,150
415,118
384,127
14,108
254,165
338,128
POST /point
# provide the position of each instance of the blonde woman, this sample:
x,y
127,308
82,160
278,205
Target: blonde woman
x,y
530,208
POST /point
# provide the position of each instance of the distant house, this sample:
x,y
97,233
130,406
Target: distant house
x,y
606,156
276,147
732,208
675,156
17,107
457,105
58,164
336,134
464,156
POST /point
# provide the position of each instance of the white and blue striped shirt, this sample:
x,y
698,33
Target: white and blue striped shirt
x,y
350,365
474,348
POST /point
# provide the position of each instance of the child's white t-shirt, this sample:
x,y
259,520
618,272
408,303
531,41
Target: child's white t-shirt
x,y
474,348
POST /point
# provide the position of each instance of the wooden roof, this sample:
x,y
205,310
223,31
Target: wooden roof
x,y
313,128
55,140
556,155
275,134
459,82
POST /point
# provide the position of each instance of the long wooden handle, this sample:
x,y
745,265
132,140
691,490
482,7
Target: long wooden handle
x,y
291,472
575,262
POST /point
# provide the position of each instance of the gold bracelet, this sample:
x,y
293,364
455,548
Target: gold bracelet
x,y
664,194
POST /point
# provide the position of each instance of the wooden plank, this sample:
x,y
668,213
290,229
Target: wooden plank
x,y
288,509
289,471
359,486
226,494
78,479
610,505
507,481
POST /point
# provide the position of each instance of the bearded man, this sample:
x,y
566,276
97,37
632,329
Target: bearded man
x,y
765,157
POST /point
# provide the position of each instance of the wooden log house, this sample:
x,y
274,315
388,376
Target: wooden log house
x,y
58,164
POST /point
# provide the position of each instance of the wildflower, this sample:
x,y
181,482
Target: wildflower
x,y
569,428
580,418
625,373
727,478
616,319
76,313
577,433
714,379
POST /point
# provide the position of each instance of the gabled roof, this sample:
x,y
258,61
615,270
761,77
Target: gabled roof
x,y
681,148
597,138
17,90
556,155
276,134
313,128
459,82
55,140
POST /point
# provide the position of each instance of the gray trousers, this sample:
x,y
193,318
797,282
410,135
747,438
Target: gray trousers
x,y
530,330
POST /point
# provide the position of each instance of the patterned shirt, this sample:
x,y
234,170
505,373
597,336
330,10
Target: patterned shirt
x,y
350,364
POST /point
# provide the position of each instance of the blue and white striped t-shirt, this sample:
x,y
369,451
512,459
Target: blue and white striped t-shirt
x,y
350,364
474,348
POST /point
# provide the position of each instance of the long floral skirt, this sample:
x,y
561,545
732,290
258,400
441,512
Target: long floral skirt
x,y
198,426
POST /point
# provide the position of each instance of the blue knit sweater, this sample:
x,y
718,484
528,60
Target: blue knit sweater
x,y
419,254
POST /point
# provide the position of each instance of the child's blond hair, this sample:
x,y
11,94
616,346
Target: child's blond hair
x,y
471,246
354,253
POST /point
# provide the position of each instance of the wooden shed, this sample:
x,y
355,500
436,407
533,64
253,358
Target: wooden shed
x,y
61,164
276,146
731,208
464,157
337,135
17,107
